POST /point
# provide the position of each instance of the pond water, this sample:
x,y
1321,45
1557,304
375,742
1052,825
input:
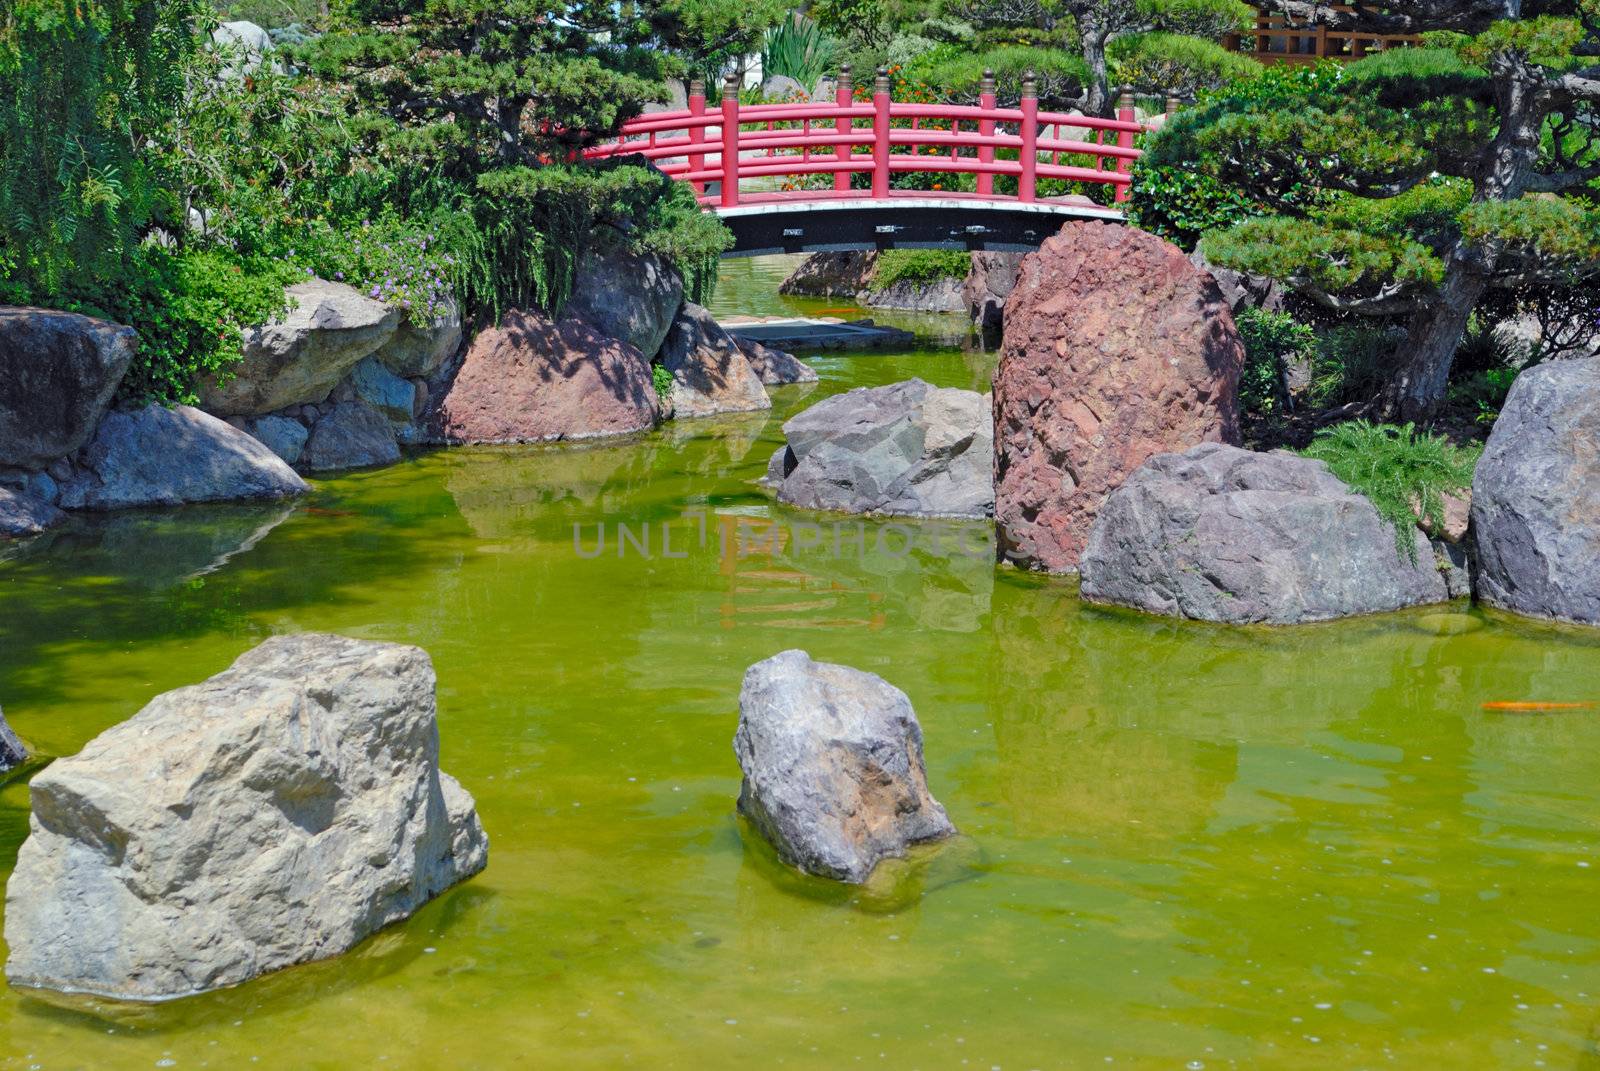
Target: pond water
x,y
1186,846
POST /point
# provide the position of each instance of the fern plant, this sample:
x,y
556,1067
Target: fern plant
x,y
1403,472
797,48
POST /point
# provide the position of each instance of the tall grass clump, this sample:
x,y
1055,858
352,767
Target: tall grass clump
x,y
1402,471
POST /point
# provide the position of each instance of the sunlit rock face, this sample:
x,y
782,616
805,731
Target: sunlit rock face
x,y
279,812
1536,496
832,761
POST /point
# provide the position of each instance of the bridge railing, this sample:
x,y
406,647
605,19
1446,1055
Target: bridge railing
x,y
881,138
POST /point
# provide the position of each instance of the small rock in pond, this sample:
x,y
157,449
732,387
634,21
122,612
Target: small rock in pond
x,y
833,772
12,753
277,813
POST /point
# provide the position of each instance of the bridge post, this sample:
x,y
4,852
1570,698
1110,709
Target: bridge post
x,y
843,97
986,101
880,134
1029,157
730,140
697,134
1125,113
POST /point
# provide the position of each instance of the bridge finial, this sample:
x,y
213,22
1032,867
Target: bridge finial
x,y
730,83
845,81
697,87
987,85
882,84
1125,102
1030,86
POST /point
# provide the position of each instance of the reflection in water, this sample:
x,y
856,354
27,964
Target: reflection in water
x,y
1299,848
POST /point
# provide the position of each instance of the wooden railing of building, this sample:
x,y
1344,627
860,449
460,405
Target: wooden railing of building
x,y
1277,39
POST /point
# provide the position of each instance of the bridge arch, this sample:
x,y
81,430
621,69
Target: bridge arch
x,y
818,149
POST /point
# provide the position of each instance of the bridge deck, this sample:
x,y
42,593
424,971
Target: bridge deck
x,y
827,220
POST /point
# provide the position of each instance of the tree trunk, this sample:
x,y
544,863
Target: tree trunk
x,y
1416,393
1097,94
1418,390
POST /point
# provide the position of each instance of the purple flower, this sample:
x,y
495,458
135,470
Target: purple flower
x,y
374,292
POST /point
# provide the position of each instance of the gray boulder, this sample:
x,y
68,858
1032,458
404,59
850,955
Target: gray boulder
x,y
284,437
1536,496
386,392
775,367
989,282
1240,290
12,753
627,296
907,449
934,295
328,329
840,274
350,435
1217,533
58,372
23,515
709,372
780,87
832,762
276,813
419,350
244,46
166,457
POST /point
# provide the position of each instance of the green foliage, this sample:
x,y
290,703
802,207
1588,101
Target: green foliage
x,y
1327,258
1059,75
919,266
83,84
1401,471
1551,228
1351,364
1273,341
701,37
1483,392
661,380
1181,204
797,48
1170,63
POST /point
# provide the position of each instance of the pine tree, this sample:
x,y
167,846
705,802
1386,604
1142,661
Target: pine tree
x,y
1437,175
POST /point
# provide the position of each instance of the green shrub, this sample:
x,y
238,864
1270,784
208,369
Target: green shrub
x,y
1353,362
797,48
661,380
1403,472
1272,342
919,266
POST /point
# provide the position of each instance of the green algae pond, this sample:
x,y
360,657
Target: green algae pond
x,y
1186,846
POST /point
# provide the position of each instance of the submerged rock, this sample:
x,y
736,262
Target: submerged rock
x,y
710,374
350,435
12,753
1116,349
328,329
775,367
1217,533
58,372
533,379
23,515
907,449
166,457
1536,496
832,761
279,812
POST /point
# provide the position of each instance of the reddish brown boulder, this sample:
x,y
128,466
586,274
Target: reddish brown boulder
x,y
1116,349
533,379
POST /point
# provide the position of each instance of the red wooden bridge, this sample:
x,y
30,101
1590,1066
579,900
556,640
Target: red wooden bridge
x,y
818,150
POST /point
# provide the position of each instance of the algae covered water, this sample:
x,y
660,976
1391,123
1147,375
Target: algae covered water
x,y
1186,846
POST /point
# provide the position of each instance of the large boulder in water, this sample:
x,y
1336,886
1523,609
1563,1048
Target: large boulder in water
x,y
327,330
907,449
1536,496
279,812
627,295
1116,349
1217,533
58,372
838,274
533,379
989,282
832,761
166,457
710,374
